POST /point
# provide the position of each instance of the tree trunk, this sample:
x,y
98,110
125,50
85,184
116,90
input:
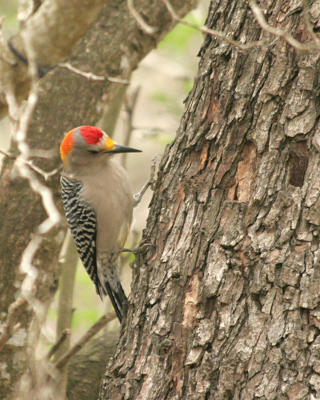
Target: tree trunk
x,y
225,300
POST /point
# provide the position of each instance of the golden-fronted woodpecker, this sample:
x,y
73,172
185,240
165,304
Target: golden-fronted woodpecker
x,y
98,204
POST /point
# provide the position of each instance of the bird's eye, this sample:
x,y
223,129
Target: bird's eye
x,y
93,151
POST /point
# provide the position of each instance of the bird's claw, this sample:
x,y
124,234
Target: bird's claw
x,y
137,250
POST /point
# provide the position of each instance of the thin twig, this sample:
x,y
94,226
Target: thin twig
x,y
10,326
65,334
138,196
150,129
13,106
277,31
40,171
104,320
7,154
150,30
35,168
215,33
68,259
22,162
91,76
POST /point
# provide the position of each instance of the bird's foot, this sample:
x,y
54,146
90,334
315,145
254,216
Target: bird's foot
x,y
137,250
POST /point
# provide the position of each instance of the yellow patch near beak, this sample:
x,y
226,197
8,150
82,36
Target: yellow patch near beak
x,y
108,144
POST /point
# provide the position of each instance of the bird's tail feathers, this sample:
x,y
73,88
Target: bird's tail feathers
x,y
109,284
118,299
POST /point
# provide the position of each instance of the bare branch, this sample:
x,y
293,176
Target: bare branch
x,y
151,129
10,327
150,30
91,76
68,259
25,171
35,168
4,153
138,196
104,320
277,31
215,33
50,44
46,175
22,160
20,117
13,106
65,334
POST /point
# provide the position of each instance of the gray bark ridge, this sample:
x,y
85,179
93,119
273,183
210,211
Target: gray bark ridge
x,y
226,305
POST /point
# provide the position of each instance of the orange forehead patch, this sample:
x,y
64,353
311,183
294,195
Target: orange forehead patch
x,y
66,145
108,144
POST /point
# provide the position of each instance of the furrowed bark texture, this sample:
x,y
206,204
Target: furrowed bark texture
x,y
113,46
226,305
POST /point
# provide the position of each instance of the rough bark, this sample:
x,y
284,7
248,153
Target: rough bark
x,y
66,100
225,300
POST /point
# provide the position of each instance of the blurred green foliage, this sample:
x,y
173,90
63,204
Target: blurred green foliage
x,y
178,40
169,101
8,9
164,138
88,306
187,85
180,46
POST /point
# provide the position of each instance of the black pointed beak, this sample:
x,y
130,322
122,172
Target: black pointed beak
x,y
118,148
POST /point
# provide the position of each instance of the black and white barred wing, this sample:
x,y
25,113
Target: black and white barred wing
x,y
82,223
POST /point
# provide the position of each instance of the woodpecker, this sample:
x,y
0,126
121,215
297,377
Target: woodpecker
x,y
98,204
